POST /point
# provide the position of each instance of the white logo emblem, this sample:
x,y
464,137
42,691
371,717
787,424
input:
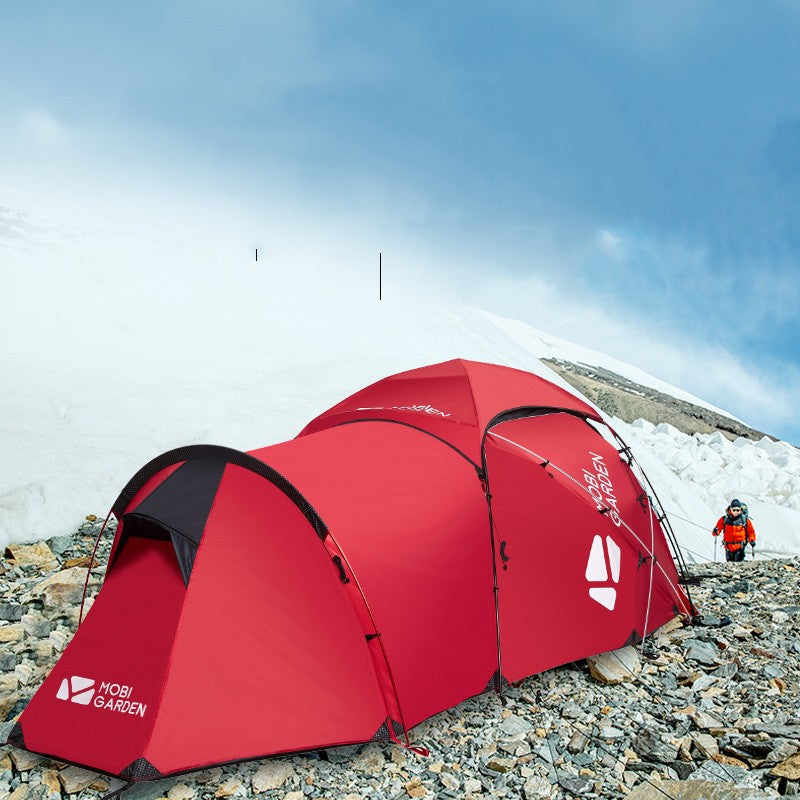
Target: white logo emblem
x,y
76,689
597,571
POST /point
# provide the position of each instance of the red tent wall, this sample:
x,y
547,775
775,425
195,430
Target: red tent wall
x,y
574,572
269,656
409,514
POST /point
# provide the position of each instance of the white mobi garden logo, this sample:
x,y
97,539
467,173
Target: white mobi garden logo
x,y
108,696
601,488
76,690
602,571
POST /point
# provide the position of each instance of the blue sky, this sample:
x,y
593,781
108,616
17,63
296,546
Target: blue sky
x,y
641,157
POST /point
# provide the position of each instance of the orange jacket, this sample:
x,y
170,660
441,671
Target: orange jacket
x,y
734,536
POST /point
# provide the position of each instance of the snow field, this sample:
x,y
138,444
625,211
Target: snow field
x,y
707,471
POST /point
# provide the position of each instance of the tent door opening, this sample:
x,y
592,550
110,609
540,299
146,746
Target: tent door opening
x,y
140,526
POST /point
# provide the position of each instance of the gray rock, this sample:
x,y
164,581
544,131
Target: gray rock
x,y
782,750
572,710
472,786
649,746
578,742
575,785
706,721
11,612
772,671
60,544
514,725
41,628
683,769
776,729
727,670
8,661
537,788
725,773
702,652
704,682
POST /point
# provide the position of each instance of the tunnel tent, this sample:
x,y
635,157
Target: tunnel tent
x,y
434,536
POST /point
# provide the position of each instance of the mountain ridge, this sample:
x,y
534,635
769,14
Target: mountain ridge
x,y
621,397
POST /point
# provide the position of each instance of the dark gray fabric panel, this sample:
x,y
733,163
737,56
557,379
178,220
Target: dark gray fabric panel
x,y
183,501
178,508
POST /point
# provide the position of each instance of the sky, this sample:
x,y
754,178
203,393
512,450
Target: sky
x,y
624,174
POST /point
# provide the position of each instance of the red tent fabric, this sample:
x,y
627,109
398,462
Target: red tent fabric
x,y
433,536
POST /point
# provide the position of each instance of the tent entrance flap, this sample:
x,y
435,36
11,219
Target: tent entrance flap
x,y
177,509
143,527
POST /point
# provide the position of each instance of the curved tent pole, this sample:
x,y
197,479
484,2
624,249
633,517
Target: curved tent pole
x,y
91,564
518,412
230,456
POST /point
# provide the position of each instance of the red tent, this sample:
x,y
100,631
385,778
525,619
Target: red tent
x,y
440,532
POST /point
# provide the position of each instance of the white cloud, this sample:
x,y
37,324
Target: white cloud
x,y
612,244
42,128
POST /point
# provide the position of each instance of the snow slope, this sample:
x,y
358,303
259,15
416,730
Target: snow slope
x,y
118,343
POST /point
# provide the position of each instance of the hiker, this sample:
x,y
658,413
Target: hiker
x,y
737,531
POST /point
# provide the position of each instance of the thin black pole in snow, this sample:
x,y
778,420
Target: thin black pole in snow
x,y
256,254
380,276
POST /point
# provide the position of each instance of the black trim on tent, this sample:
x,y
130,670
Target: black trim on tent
x,y
496,682
228,455
382,734
140,770
16,738
634,638
527,411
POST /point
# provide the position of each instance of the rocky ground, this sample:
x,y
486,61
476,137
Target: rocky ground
x,y
711,712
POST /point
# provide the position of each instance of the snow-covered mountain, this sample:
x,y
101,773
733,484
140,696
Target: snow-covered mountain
x,y
117,347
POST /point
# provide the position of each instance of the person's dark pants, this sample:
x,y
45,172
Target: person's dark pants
x,y
734,555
